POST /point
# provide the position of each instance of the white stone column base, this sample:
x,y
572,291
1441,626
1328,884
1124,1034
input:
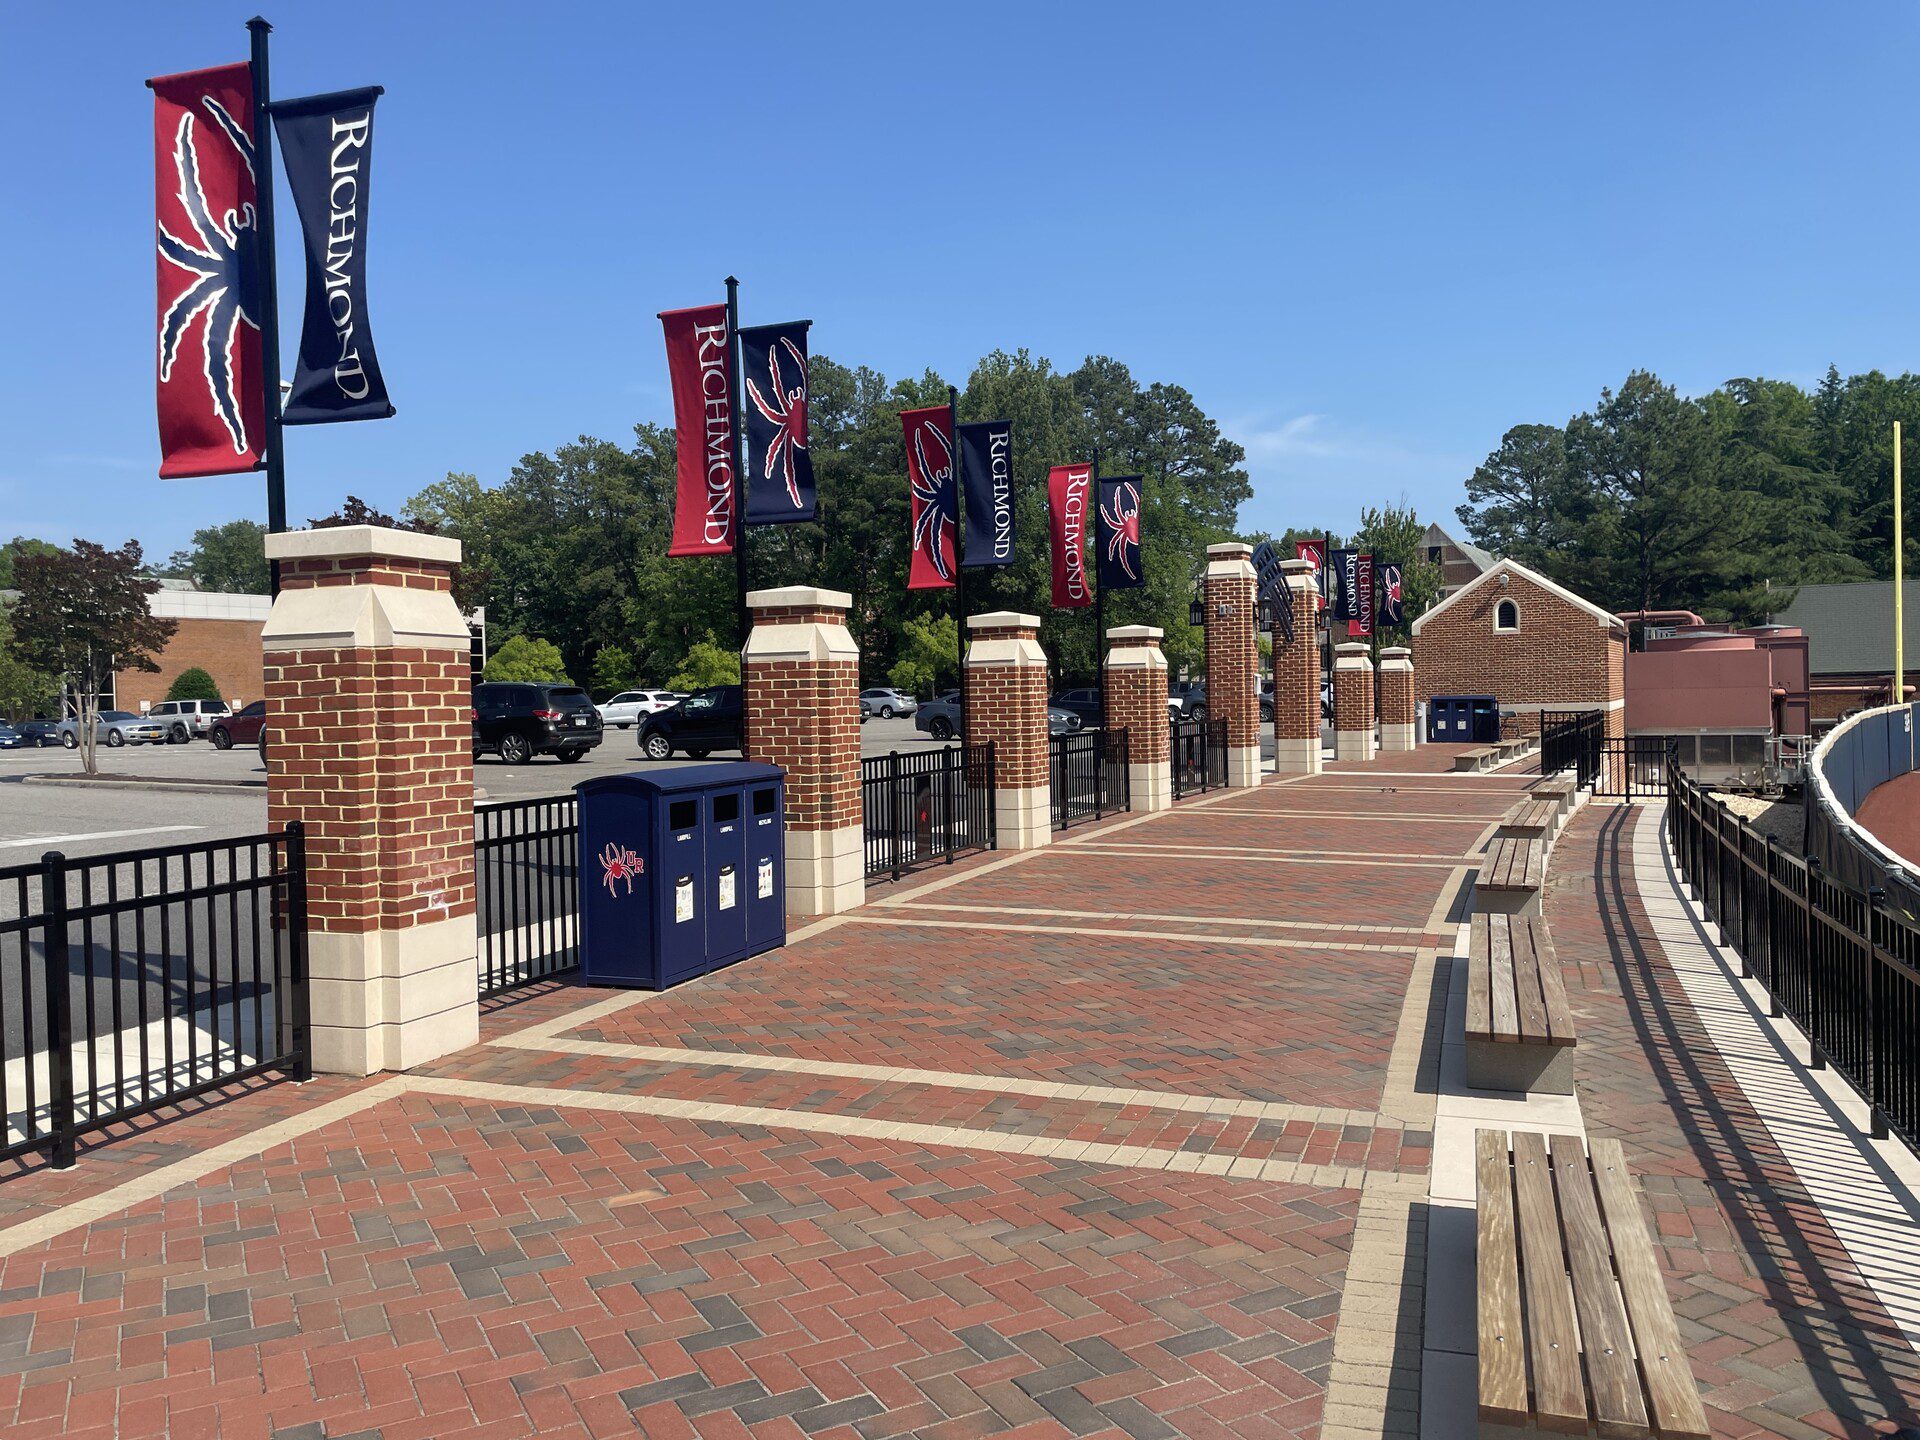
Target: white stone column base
x,y
1397,738
1150,787
826,871
1353,745
1022,819
392,999
1243,767
1296,757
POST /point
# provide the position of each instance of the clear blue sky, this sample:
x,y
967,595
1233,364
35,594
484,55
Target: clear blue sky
x,y
1367,240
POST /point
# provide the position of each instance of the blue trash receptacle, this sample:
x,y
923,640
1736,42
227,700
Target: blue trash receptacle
x,y
680,871
1462,719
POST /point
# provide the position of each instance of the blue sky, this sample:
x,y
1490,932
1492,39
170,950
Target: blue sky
x,y
1368,240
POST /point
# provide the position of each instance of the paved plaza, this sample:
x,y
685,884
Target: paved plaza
x,y
1130,1136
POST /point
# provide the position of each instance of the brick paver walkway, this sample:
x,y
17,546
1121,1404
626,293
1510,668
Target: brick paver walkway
x,y
1784,1337
1127,1137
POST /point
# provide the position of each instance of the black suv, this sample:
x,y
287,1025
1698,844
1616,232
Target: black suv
x,y
706,721
518,722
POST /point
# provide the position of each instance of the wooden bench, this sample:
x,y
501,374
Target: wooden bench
x,y
1531,819
1510,876
1519,1029
1477,759
1558,788
1571,1295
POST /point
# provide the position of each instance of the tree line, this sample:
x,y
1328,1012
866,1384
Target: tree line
x,y
1723,503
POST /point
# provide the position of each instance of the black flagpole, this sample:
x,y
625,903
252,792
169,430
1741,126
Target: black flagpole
x,y
738,400
1099,590
258,29
959,572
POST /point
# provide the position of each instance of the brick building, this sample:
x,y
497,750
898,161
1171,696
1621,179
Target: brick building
x,y
1531,644
1849,630
1460,563
219,633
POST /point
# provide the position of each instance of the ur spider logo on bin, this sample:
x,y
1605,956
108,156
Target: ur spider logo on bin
x,y
618,863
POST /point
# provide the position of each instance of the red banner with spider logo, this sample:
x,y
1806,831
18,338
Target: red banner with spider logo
x,y
932,494
212,410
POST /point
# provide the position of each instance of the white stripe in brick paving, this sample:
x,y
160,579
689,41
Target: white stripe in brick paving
x,y
1214,856
1397,817
1282,850
1315,925
1869,1191
1184,937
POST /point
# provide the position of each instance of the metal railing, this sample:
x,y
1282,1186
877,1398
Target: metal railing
x,y
1571,742
926,807
1088,775
1833,959
526,872
139,979
1199,756
1632,767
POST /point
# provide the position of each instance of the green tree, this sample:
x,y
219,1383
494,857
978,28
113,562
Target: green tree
x,y
528,660
706,663
193,683
83,614
15,548
1523,503
24,691
614,670
230,558
929,658
1393,534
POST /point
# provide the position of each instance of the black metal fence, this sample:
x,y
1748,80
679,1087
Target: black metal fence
x,y
1571,741
1088,775
526,861
1199,756
926,807
1833,959
139,979
1633,767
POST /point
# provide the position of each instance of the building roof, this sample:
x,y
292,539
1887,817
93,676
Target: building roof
x,y
1849,627
1606,619
1483,559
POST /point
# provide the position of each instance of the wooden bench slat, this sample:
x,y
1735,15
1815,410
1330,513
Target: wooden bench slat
x,y
1560,1398
1511,864
1503,1361
1677,1411
1479,982
1553,991
1526,982
1506,1014
1613,1381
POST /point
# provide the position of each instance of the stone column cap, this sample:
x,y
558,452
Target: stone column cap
x,y
334,542
1396,652
1351,647
1229,550
1135,632
1003,620
1299,565
799,597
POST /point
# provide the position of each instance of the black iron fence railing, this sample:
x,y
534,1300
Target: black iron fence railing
x,y
1199,756
926,807
1088,775
140,979
526,862
1833,959
1632,767
1571,741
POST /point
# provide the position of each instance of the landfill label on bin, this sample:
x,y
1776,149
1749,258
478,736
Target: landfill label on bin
x,y
727,896
764,883
617,863
683,900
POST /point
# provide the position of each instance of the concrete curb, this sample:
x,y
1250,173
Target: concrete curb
x,y
136,782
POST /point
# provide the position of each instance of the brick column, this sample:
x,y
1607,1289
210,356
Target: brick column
x,y
1006,680
1233,658
1352,702
1137,699
800,678
370,746
1397,730
1296,678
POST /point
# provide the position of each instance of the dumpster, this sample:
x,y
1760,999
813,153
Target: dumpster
x,y
681,871
1463,719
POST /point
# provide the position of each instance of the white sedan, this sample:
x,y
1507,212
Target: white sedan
x,y
630,707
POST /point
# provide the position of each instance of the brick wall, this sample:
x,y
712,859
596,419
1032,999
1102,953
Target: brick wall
x,y
1296,663
804,716
228,650
1560,657
1137,696
1353,693
1395,690
1233,651
1007,704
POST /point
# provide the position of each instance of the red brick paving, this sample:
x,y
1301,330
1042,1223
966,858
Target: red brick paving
x,y
1784,1337
433,1268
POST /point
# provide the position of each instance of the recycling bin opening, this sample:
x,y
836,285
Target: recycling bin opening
x,y
681,871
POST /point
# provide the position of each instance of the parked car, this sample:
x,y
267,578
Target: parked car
x,y
887,703
241,728
1084,703
627,709
115,728
189,719
1061,722
518,721
39,732
940,718
706,721
1266,700
1192,695
11,739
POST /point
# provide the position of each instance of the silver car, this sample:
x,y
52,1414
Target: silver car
x,y
189,719
116,728
940,718
887,703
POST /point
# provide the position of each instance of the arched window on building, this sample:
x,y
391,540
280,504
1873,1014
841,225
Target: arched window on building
x,y
1506,616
